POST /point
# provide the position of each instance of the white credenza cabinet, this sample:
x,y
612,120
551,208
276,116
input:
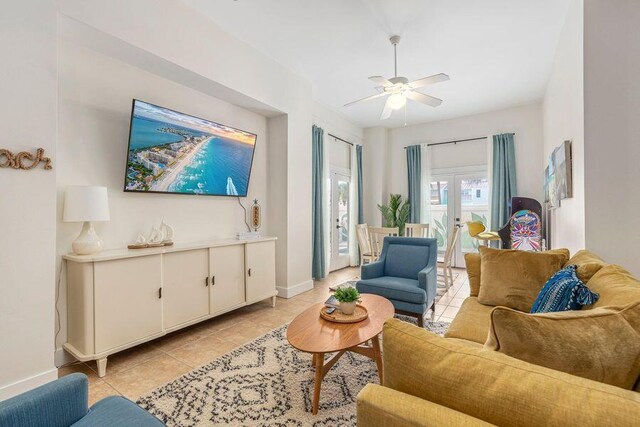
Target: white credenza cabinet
x,y
121,298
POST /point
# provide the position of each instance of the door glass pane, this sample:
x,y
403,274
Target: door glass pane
x,y
343,217
474,198
439,218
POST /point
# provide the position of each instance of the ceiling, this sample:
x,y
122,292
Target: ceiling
x,y
498,53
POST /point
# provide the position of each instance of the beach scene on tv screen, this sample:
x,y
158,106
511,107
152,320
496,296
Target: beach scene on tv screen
x,y
177,153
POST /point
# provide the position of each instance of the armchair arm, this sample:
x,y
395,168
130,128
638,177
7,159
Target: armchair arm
x,y
497,388
428,280
372,270
383,407
59,403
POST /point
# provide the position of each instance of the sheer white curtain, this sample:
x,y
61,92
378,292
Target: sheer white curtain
x,y
425,210
353,209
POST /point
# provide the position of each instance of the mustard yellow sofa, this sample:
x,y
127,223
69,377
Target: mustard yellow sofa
x,y
457,381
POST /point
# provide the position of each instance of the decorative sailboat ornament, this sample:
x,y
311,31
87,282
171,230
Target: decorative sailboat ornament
x,y
156,238
167,232
140,243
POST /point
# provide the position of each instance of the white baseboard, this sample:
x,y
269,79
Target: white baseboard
x,y
27,384
295,290
61,357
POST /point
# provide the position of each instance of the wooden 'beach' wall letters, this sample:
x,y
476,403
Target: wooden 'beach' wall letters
x,y
23,160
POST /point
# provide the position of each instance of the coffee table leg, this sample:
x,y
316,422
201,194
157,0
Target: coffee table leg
x,y
378,355
318,359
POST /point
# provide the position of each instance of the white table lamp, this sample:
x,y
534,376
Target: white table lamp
x,y
84,203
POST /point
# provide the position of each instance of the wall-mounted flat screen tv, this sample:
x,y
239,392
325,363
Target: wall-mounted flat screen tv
x,y
172,152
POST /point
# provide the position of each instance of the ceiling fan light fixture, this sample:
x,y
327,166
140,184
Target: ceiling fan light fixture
x,y
397,101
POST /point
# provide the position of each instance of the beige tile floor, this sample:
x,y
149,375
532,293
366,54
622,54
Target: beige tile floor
x,y
139,370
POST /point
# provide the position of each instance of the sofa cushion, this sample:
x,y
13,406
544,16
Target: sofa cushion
x,y
472,261
405,260
472,322
563,292
616,286
514,278
117,411
601,344
497,388
396,288
588,264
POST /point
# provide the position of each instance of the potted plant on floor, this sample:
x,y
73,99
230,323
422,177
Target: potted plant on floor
x,y
348,298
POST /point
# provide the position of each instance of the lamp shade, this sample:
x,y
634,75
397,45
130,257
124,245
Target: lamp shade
x,y
86,203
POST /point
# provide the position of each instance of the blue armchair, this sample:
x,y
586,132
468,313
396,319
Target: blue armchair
x,y
405,274
64,403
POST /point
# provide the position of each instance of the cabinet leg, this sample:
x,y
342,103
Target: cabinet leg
x,y
273,301
102,367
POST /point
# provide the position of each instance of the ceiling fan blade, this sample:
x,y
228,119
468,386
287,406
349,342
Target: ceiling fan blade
x,y
386,111
437,78
424,99
377,95
381,81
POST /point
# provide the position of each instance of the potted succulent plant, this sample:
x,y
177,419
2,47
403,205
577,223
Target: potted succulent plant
x,y
348,298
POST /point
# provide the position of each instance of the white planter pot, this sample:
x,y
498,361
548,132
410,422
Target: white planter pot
x,y
348,307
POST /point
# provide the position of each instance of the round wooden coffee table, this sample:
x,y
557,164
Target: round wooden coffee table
x,y
310,333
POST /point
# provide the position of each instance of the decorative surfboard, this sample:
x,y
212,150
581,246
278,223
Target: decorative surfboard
x,y
526,231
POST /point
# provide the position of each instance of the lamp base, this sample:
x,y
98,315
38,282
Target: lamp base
x,y
88,242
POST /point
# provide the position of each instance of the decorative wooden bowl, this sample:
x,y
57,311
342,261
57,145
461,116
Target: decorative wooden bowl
x,y
337,316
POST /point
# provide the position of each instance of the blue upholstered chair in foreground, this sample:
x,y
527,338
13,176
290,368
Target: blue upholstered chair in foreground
x,y
405,274
64,403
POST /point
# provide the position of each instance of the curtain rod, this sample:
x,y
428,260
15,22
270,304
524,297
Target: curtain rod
x,y
340,139
458,140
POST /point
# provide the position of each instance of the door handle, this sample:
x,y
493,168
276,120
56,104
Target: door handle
x,y
338,227
206,281
213,280
249,272
159,293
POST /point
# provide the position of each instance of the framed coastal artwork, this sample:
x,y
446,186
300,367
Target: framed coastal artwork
x,y
173,152
558,183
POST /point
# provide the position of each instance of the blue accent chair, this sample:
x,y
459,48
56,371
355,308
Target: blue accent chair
x,y
64,403
405,274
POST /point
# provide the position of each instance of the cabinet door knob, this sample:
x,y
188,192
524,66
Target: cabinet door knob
x,y
213,280
249,272
206,281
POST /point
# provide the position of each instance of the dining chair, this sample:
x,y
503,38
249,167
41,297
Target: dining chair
x,y
364,243
445,264
416,230
376,238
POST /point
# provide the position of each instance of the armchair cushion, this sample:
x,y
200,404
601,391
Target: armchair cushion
x,y
394,288
59,403
405,260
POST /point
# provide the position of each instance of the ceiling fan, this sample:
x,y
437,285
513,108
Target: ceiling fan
x,y
400,88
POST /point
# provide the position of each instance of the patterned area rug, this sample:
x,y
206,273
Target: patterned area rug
x,y
266,383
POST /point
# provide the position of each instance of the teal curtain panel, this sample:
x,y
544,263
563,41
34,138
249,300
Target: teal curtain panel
x,y
319,262
504,179
359,165
414,166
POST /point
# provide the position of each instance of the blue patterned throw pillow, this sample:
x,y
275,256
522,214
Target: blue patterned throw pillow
x,y
563,292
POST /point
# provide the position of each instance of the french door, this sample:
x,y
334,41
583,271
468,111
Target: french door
x,y
340,221
457,198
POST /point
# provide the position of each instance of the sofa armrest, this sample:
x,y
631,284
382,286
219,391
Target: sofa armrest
x,y
59,403
372,270
383,407
497,388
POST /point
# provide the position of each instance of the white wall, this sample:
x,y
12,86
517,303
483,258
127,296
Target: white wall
x,y
375,150
95,94
27,200
563,118
525,121
612,129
